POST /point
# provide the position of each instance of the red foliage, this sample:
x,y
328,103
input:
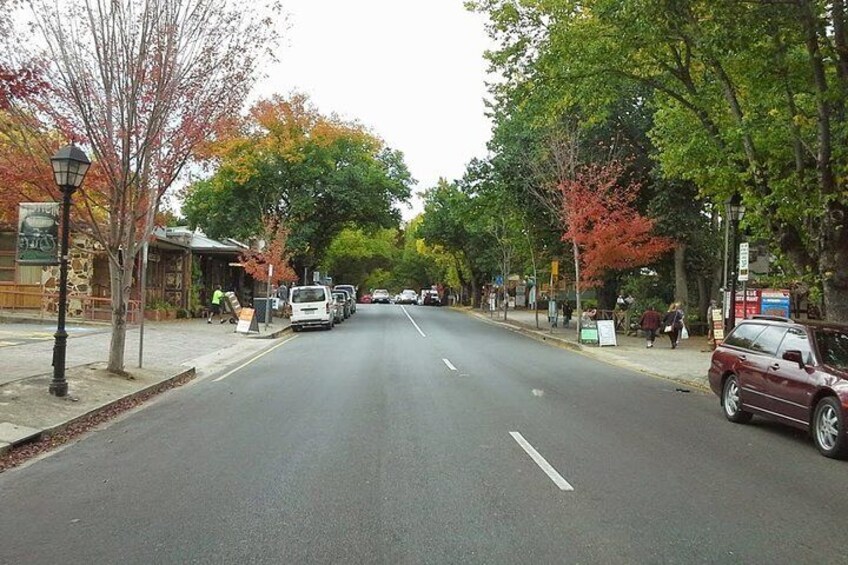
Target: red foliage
x,y
603,223
16,83
26,174
275,253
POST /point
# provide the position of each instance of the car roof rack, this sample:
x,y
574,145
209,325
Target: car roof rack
x,y
771,318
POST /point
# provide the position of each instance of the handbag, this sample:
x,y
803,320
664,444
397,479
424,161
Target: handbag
x,y
684,333
667,329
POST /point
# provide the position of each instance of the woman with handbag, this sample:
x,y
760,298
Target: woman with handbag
x,y
672,323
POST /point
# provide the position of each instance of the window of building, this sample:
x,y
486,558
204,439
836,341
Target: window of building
x,y
8,246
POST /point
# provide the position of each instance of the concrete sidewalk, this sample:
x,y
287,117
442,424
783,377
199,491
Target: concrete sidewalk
x,y
173,351
687,364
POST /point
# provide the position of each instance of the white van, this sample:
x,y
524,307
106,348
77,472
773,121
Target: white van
x,y
311,306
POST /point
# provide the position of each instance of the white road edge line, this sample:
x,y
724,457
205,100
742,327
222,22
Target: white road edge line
x,y
540,461
249,361
413,321
450,366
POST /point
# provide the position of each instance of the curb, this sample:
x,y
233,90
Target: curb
x,y
12,319
564,344
273,335
538,335
150,390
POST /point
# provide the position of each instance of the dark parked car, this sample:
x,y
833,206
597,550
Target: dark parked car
x,y
792,372
351,290
430,298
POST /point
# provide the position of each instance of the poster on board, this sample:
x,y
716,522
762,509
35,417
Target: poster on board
x,y
247,322
606,333
38,233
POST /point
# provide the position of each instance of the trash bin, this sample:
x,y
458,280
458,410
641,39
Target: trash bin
x,y
259,307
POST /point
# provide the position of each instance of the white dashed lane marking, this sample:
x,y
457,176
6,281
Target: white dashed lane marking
x,y
540,461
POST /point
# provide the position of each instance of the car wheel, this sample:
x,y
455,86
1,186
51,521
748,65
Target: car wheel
x,y
829,429
731,402
295,329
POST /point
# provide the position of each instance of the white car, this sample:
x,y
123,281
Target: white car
x,y
408,296
312,306
381,295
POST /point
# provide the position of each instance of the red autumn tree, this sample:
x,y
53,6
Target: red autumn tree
x,y
608,233
274,253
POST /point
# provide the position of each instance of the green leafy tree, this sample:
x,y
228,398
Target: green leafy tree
x,y
355,254
745,96
315,174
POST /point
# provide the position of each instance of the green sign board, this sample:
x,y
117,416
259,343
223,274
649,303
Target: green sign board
x,y
589,335
38,233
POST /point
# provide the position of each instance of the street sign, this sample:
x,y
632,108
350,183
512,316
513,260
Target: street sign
x,y
743,262
554,268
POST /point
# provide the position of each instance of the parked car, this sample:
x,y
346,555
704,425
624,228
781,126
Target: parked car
x,y
342,309
381,296
792,372
351,290
407,296
348,305
312,306
430,297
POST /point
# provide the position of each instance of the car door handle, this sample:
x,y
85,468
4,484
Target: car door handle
x,y
743,357
775,366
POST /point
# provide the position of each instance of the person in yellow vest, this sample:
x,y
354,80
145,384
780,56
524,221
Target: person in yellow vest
x,y
217,305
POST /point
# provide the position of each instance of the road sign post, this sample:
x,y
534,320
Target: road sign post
x,y
743,262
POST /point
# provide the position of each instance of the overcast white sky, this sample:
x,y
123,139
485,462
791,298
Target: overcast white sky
x,y
412,71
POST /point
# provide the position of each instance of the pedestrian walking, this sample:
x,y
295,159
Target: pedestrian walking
x,y
567,311
650,323
217,306
672,323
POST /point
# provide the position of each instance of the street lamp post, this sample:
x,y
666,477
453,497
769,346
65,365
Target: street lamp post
x,y
69,167
735,211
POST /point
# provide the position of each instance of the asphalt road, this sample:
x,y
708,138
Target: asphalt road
x,y
364,445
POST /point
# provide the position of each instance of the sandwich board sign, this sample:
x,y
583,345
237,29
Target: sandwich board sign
x,y
247,322
606,333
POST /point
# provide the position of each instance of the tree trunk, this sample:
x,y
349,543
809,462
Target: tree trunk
x,y
703,297
681,289
119,283
833,263
474,292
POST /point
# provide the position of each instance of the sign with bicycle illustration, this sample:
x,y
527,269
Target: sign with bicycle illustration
x,y
38,233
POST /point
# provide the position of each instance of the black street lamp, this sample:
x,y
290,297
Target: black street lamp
x,y
735,211
69,167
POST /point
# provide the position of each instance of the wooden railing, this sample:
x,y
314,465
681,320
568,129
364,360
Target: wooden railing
x,y
79,307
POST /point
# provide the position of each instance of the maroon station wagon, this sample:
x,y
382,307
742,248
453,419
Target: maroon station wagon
x,y
793,372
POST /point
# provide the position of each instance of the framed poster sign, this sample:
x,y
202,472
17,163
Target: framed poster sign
x,y
38,233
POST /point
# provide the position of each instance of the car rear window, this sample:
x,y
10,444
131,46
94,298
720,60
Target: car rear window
x,y
744,335
769,340
833,346
302,295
